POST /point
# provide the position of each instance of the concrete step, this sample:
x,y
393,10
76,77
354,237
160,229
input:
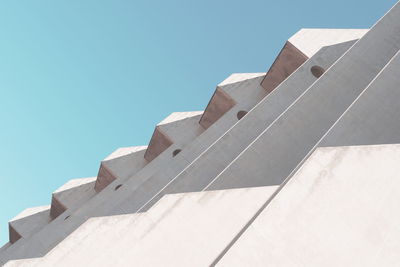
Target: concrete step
x,y
72,194
375,116
302,46
240,90
27,223
121,164
178,128
195,226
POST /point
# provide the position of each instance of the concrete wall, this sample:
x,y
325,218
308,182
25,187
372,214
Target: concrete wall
x,y
170,234
220,154
275,134
283,144
374,118
120,165
141,187
110,200
178,128
242,90
28,222
302,46
334,211
72,194
339,209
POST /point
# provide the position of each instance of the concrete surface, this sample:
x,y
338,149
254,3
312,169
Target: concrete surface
x,y
302,46
220,150
339,209
121,164
28,222
167,235
239,89
281,147
202,171
374,118
72,194
178,128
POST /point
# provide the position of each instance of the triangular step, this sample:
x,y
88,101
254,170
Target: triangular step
x,y
72,194
28,222
121,164
240,90
178,128
310,41
302,46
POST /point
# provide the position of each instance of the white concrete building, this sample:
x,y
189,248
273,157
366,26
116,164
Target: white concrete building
x,y
298,166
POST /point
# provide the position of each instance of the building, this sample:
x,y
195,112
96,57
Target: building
x,y
294,167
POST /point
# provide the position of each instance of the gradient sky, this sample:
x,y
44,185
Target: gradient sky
x,y
79,79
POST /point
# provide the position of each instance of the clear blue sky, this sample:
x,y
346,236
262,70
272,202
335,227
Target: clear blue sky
x,y
79,79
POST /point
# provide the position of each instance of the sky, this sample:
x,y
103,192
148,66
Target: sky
x,y
78,79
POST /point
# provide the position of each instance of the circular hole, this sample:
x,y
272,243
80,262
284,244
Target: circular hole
x,y
241,114
66,218
317,71
176,152
118,187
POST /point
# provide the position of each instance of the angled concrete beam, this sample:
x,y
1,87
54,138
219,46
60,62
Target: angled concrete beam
x,y
121,164
5,246
73,193
310,41
237,89
28,222
374,117
302,46
178,127
200,173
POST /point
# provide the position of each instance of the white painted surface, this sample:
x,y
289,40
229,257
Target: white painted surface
x,y
124,151
240,77
29,212
181,230
339,209
310,41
